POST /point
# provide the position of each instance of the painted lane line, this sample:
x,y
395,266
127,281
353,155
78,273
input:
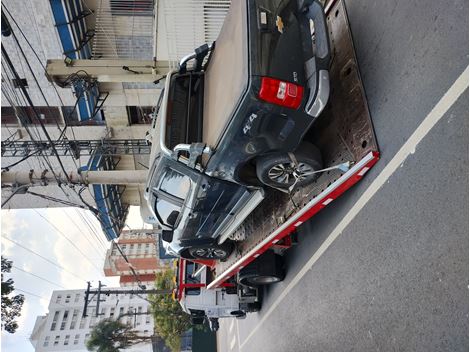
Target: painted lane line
x,y
232,323
233,343
408,148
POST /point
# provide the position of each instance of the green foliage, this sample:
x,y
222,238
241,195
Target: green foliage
x,y
11,305
170,320
112,336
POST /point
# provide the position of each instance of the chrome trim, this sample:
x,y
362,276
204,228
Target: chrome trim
x,y
163,147
251,203
322,95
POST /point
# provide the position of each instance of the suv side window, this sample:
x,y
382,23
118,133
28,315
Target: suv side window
x,y
175,184
164,209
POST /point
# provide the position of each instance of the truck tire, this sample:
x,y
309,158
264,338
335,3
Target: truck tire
x,y
268,269
277,170
255,280
197,320
215,251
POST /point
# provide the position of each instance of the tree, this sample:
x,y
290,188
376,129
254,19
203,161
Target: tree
x,y
11,305
112,336
170,320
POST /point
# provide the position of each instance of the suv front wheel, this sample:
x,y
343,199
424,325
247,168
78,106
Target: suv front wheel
x,y
215,251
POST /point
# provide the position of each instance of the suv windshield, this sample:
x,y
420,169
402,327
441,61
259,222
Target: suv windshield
x,y
175,184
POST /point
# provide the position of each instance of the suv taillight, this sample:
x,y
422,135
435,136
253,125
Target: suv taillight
x,y
281,93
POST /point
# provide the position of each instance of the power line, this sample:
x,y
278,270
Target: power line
x,y
44,258
70,241
35,295
39,277
89,241
28,98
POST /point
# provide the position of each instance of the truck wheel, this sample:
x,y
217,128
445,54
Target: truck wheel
x,y
279,171
215,251
197,320
254,307
268,269
255,280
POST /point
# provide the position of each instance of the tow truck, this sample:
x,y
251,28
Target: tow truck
x,y
345,135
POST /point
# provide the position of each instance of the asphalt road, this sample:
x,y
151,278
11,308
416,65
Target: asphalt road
x,y
396,278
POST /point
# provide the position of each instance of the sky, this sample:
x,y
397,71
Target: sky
x,y
82,263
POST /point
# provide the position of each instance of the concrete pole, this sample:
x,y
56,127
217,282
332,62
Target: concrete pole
x,y
45,177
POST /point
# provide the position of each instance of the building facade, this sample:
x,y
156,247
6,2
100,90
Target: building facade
x,y
64,329
142,251
85,111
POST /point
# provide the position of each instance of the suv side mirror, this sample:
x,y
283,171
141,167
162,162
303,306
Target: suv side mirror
x,y
171,220
167,235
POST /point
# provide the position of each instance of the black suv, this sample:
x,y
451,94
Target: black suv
x,y
232,124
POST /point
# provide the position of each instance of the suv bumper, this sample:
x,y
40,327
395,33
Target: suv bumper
x,y
316,68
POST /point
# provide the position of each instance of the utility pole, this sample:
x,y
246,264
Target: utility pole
x,y
46,177
108,70
90,294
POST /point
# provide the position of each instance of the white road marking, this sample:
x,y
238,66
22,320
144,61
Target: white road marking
x,y
232,323
238,333
233,343
409,147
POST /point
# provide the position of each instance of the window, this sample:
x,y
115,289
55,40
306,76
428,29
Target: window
x,y
77,298
54,320
82,323
139,114
66,341
67,299
121,310
46,341
64,320
70,114
18,83
74,319
58,299
164,209
75,341
56,340
111,312
175,184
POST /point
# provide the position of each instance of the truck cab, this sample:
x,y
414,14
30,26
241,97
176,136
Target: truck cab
x,y
199,302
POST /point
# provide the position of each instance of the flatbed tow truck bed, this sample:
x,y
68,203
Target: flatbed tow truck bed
x,y
344,133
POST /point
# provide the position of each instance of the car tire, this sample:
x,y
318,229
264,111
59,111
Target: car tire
x,y
276,170
215,251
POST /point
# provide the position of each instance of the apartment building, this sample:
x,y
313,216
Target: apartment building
x,y
141,249
64,329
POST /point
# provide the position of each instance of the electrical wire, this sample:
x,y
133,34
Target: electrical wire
x,y
42,257
39,277
70,241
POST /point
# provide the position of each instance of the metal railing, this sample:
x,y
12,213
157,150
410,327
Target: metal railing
x,y
191,23
124,29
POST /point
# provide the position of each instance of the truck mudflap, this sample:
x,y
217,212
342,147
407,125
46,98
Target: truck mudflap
x,y
344,133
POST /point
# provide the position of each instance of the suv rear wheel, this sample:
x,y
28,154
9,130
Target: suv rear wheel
x,y
215,251
279,171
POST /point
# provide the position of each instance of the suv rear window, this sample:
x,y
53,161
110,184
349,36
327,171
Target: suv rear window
x,y
185,104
